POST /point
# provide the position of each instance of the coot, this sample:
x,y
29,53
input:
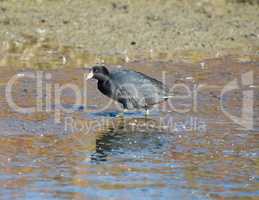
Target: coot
x,y
134,90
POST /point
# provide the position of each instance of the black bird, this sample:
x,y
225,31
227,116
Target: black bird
x,y
134,90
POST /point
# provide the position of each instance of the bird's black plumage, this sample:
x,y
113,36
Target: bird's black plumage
x,y
134,90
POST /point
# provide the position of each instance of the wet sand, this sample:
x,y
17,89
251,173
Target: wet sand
x,y
167,30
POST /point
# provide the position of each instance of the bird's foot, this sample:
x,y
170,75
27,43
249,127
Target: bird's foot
x,y
121,114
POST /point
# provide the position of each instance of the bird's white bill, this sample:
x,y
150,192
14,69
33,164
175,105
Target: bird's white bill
x,y
90,75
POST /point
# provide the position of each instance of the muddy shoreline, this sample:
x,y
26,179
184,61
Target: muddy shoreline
x,y
135,30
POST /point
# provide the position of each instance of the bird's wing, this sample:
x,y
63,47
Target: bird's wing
x,y
138,86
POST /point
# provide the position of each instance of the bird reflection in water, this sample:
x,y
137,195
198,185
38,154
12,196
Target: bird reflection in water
x,y
126,136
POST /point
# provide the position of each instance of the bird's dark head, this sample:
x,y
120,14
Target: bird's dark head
x,y
99,72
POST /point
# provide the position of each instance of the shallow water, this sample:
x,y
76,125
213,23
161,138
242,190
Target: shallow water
x,y
200,154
